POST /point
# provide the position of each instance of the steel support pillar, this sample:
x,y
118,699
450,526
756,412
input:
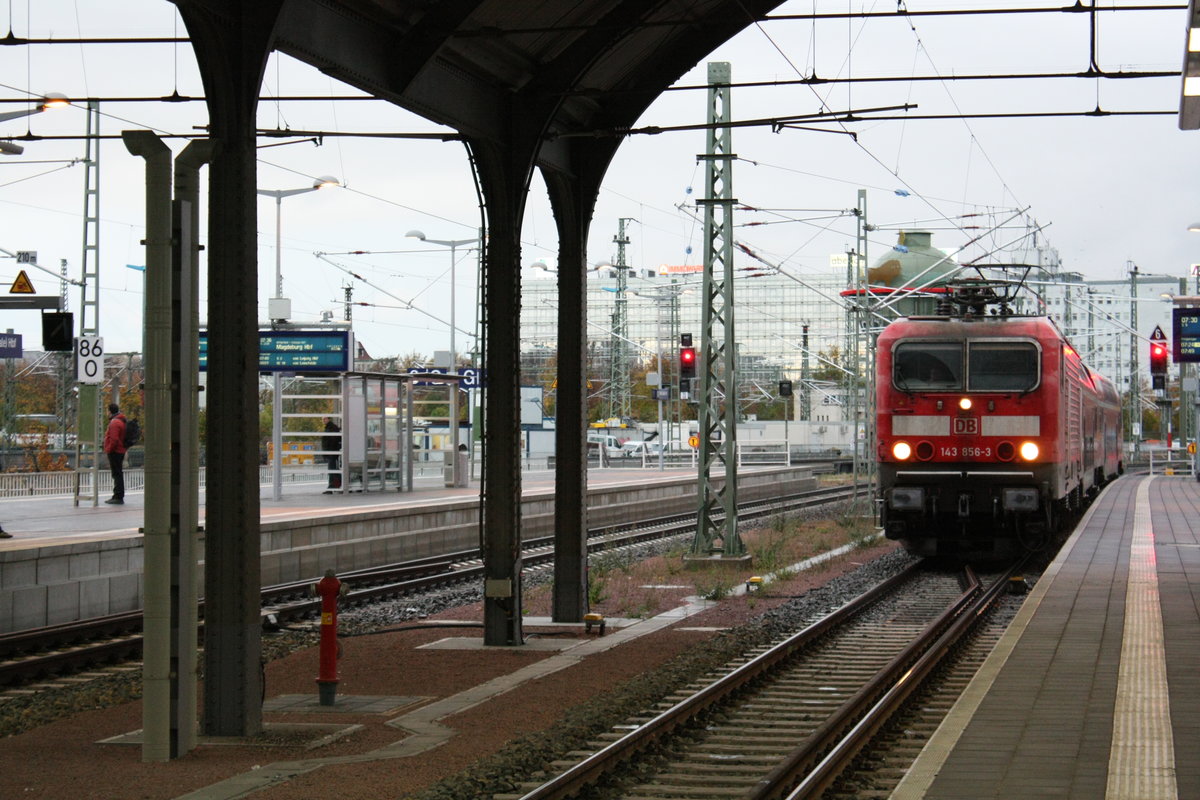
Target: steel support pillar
x,y
232,41
619,390
863,408
185,444
572,210
172,465
89,417
503,175
160,686
1135,388
717,519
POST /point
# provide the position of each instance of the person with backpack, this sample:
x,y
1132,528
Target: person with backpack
x,y
114,445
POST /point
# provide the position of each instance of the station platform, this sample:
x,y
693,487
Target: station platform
x,y
47,520
68,562
1092,691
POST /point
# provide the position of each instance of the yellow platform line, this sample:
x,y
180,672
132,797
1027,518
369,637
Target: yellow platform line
x,y
1141,762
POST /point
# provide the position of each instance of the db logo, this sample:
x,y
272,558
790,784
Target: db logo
x,y
966,425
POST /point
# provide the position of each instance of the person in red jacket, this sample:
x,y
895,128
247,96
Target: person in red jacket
x,y
114,445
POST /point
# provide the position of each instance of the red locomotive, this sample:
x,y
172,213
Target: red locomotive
x,y
990,427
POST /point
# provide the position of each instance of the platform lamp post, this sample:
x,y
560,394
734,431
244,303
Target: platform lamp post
x,y
453,244
279,310
50,101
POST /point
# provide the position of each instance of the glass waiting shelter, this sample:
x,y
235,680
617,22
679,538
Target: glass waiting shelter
x,y
382,432
385,422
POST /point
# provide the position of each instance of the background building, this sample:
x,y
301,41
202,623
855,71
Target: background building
x,y
774,312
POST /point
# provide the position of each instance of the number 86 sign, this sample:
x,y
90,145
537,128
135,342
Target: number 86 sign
x,y
89,359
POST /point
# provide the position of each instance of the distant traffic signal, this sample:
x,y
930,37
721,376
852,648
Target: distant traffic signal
x,y
687,362
1158,358
785,388
1158,364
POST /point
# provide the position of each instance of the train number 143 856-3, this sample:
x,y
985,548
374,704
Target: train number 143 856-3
x,y
966,452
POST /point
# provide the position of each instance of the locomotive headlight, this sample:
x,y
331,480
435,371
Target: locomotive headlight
x,y
902,451
1029,451
965,404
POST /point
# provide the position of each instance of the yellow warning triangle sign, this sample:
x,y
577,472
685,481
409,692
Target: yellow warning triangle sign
x,y
22,285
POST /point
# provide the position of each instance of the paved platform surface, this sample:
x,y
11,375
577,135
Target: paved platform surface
x,y
43,521
1093,691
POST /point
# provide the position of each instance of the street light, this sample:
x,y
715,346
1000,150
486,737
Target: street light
x,y
279,310
50,101
320,183
453,244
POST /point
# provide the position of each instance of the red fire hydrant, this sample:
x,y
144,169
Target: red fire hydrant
x,y
329,589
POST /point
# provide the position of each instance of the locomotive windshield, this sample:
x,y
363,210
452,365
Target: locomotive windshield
x,y
1002,367
928,366
995,366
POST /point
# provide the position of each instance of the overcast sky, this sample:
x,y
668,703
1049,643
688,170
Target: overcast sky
x,y
1107,191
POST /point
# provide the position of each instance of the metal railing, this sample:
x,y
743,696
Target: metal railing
x,y
49,484
1166,462
63,483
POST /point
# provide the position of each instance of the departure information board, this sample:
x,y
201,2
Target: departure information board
x,y
296,351
1186,340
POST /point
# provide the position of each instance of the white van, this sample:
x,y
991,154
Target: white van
x,y
610,445
640,449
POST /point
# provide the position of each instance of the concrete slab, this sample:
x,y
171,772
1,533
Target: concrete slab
x,y
343,704
531,643
546,622
310,735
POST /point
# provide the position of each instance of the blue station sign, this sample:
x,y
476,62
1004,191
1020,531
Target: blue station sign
x,y
472,377
296,351
10,345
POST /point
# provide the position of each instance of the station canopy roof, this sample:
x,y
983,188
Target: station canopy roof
x,y
582,68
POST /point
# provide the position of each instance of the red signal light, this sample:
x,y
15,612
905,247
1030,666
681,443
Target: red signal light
x,y
1158,358
687,362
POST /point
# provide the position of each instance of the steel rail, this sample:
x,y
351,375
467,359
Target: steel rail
x,y
802,759
840,750
540,551
605,760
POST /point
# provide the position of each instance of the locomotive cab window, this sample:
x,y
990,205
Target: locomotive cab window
x,y
927,366
1002,367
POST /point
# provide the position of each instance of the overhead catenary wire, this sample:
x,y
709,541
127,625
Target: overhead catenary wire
x,y
408,305
857,141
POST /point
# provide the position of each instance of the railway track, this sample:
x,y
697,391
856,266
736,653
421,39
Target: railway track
x,y
789,720
70,647
879,768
